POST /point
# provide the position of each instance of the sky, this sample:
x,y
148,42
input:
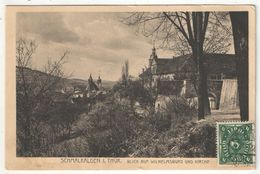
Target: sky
x,y
98,43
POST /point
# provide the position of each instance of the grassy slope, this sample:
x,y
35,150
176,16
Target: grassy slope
x,y
191,139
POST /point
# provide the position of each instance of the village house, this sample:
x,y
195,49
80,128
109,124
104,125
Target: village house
x,y
177,76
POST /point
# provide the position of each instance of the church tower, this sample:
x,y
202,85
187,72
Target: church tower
x,y
91,86
90,79
152,56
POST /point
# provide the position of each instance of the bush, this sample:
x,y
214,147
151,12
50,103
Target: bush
x,y
110,126
135,92
159,121
162,129
49,125
76,147
178,111
202,141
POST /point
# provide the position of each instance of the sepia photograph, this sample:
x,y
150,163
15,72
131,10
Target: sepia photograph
x,y
128,84
134,84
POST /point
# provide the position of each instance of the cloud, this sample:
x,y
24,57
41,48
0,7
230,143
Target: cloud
x,y
50,26
98,42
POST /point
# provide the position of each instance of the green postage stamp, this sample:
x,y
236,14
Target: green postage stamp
x,y
235,143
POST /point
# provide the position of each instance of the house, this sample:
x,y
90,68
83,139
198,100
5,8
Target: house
x,y
177,76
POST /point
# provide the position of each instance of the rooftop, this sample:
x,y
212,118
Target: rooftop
x,y
214,63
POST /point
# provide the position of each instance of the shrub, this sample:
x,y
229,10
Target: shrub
x,y
179,111
202,141
110,126
175,111
135,92
159,121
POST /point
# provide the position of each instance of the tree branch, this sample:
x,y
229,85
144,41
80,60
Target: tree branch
x,y
179,28
189,27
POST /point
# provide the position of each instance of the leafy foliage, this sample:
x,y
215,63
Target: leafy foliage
x,y
135,92
111,125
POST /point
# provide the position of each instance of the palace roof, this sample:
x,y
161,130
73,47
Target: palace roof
x,y
214,64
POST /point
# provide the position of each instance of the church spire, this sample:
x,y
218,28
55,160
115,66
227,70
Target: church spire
x,y
152,56
90,78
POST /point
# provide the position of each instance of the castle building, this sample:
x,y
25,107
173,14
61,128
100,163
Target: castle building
x,y
177,76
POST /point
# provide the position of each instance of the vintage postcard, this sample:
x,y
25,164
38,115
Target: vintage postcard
x,y
130,87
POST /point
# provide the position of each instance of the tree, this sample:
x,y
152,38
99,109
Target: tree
x,y
34,92
239,22
197,50
24,52
125,73
189,30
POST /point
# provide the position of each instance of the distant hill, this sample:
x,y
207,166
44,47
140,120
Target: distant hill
x,y
66,82
108,84
79,82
